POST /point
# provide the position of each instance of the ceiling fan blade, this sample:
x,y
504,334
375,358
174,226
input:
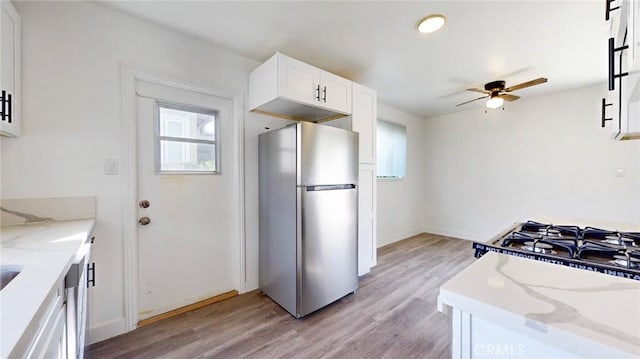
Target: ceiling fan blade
x,y
508,97
538,81
479,90
475,99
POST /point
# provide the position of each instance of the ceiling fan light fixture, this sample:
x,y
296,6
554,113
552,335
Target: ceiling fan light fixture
x,y
495,102
431,23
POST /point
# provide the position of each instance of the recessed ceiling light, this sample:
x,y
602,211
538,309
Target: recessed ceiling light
x,y
431,23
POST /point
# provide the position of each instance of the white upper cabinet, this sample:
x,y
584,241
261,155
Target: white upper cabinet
x,y
297,80
9,70
633,35
631,121
288,88
629,111
335,92
363,121
629,87
621,106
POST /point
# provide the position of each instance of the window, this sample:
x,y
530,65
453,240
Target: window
x,y
392,150
187,140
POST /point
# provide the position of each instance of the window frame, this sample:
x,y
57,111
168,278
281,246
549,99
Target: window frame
x,y
406,152
185,140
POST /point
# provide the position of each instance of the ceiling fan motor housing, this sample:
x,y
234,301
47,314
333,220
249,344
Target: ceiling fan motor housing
x,y
494,86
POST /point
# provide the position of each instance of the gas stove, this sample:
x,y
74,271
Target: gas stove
x,y
599,250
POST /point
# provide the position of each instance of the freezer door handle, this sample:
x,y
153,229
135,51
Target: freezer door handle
x,y
329,187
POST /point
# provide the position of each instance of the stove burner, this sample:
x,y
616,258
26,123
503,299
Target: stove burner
x,y
626,262
538,247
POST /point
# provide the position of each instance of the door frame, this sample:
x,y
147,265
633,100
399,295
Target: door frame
x,y
129,181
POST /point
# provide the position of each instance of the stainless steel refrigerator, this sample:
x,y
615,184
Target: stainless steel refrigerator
x,y
308,215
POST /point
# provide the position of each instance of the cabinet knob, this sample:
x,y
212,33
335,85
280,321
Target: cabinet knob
x,y
318,92
144,204
144,221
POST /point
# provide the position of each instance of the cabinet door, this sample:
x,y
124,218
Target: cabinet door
x,y
10,66
56,345
83,307
298,81
335,92
49,331
367,248
630,106
363,121
634,36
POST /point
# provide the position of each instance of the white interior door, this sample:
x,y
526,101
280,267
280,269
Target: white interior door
x,y
186,173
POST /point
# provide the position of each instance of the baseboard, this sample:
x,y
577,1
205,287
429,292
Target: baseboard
x,y
397,237
187,308
249,285
106,330
451,233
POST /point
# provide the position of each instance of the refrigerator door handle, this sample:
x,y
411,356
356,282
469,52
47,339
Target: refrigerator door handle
x,y
329,187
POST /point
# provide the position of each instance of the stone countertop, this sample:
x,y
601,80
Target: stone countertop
x,y
45,251
583,312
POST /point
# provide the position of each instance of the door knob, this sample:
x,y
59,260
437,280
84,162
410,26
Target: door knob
x,y
144,221
144,204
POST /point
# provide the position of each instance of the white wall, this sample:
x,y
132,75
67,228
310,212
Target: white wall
x,y
541,156
71,54
400,202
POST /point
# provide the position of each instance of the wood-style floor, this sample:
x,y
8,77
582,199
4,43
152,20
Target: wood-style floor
x,y
392,315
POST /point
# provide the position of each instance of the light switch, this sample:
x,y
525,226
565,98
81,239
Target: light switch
x,y
620,172
111,166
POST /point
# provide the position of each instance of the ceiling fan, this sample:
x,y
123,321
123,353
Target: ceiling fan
x,y
496,92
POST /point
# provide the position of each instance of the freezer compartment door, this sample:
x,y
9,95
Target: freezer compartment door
x,y
328,155
328,246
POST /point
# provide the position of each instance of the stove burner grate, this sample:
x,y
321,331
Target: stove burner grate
x,y
538,248
551,230
626,262
619,240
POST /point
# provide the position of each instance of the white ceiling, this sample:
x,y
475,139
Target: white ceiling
x,y
376,44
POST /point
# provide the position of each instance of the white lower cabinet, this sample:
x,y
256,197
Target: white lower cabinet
x,y
367,256
57,345
475,337
76,300
61,332
81,310
50,340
